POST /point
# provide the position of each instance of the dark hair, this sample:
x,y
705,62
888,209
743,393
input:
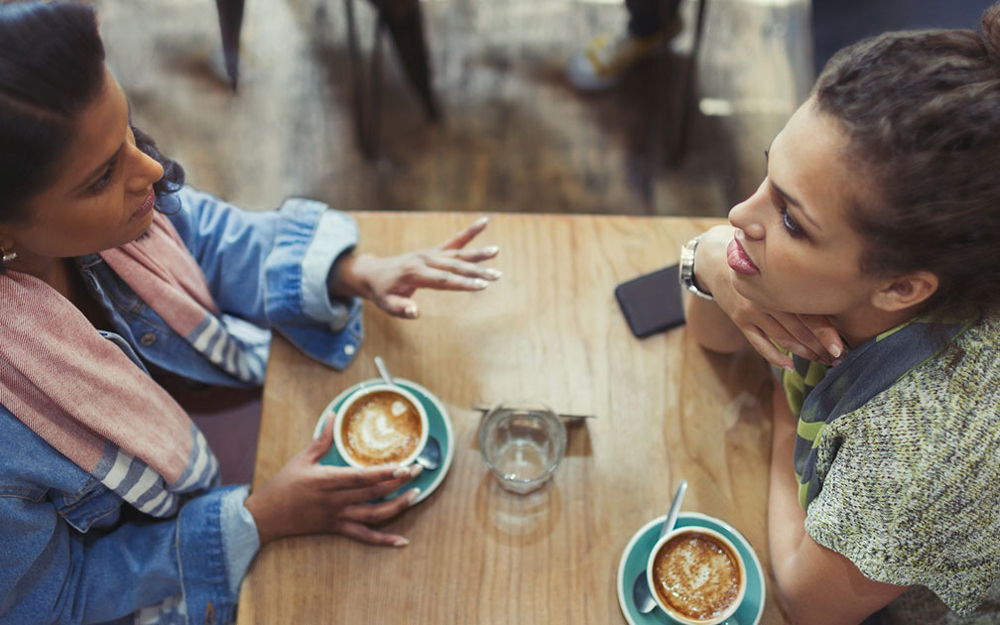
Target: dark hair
x,y
921,111
51,69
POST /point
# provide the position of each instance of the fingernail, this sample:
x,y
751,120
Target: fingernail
x,y
412,495
479,283
482,221
415,470
834,349
491,250
401,472
494,273
401,542
789,368
411,311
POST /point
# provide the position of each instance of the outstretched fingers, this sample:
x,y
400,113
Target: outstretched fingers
x,y
441,280
476,255
463,267
461,239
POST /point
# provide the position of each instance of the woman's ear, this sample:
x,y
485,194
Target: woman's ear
x,y
905,291
6,241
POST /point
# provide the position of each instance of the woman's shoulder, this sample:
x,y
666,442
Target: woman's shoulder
x,y
911,481
963,375
942,412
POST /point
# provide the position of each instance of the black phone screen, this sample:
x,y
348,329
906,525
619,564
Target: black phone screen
x,y
652,302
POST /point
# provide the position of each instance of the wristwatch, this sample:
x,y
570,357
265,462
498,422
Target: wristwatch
x,y
686,272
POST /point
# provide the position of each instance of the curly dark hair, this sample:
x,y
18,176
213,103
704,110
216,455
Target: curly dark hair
x,y
921,110
51,69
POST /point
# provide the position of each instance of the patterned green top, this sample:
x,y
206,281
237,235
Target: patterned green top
x,y
910,483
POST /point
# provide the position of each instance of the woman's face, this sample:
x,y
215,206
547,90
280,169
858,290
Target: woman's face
x,y
102,194
794,250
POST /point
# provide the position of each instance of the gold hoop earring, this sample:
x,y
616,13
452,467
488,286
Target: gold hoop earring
x,y
6,257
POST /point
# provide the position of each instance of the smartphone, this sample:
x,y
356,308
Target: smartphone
x,y
652,302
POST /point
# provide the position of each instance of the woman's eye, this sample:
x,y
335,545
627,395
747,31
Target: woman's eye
x,y
790,224
105,178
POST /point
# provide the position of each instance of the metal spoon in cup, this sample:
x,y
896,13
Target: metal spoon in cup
x,y
642,595
430,456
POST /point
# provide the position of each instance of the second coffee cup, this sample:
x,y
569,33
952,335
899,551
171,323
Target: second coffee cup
x,y
380,424
697,576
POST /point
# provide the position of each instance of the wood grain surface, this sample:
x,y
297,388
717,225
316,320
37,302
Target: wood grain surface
x,y
551,330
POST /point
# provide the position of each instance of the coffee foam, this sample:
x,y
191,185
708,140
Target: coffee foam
x,y
696,575
381,428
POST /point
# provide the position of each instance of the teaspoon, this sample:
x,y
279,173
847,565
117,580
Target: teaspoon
x,y
430,457
641,593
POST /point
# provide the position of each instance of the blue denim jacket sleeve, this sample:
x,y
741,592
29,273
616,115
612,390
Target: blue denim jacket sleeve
x,y
83,557
270,267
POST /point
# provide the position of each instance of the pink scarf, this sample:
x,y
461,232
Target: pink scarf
x,y
90,401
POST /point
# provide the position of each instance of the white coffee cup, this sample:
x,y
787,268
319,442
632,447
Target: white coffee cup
x,y
380,428
700,582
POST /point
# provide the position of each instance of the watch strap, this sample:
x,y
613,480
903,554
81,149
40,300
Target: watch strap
x,y
686,271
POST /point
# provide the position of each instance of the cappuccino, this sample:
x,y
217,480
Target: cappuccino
x,y
698,576
381,428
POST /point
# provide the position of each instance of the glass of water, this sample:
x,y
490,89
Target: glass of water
x,y
522,444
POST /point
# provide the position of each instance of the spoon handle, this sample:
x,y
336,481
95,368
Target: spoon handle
x,y
675,508
382,371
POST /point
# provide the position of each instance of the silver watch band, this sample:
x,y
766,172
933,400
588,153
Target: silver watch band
x,y
686,272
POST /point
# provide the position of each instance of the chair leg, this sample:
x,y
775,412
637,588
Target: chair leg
x,y
358,84
230,24
405,22
375,105
688,95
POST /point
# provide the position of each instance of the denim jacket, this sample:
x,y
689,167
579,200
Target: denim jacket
x,y
70,551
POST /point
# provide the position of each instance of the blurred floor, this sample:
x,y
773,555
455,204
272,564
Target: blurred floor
x,y
516,136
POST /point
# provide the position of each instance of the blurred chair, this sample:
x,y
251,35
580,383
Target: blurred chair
x,y
689,95
403,19
230,23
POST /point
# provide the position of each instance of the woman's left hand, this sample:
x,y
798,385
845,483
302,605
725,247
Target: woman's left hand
x,y
391,282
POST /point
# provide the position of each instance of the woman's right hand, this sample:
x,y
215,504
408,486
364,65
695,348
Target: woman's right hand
x,y
808,336
306,497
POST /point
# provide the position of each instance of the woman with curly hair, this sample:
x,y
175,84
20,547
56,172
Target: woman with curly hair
x,y
866,268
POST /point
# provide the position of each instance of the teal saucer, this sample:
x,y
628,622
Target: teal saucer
x,y
440,428
636,554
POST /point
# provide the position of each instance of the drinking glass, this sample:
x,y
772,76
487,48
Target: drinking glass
x,y
522,443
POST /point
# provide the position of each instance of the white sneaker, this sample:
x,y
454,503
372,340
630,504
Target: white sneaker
x,y
607,59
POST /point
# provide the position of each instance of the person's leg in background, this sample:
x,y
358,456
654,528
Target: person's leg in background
x,y
608,57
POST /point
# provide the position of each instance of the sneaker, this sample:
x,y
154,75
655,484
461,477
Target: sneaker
x,y
607,59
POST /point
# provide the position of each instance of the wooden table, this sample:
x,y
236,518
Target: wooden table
x,y
549,329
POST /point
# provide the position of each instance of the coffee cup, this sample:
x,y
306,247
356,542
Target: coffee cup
x,y
697,576
380,424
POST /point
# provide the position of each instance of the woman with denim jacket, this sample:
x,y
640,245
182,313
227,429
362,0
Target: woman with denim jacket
x,y
865,267
114,276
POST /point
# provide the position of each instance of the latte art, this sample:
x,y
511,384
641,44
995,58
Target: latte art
x,y
697,576
381,428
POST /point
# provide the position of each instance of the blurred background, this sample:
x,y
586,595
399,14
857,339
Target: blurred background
x,y
513,134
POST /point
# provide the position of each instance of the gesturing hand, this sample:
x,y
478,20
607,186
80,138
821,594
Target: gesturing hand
x,y
390,282
309,498
808,336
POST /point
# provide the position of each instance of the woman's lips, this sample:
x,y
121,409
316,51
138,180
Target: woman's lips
x,y
147,205
738,259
